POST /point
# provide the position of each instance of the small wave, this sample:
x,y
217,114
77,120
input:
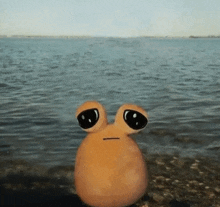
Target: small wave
x,y
54,67
113,92
45,121
4,148
214,65
3,85
146,78
113,74
214,146
6,86
3,144
14,122
162,132
188,140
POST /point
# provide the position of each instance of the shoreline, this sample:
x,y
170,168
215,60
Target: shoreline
x,y
173,181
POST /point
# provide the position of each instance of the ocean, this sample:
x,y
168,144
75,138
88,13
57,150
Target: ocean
x,y
44,80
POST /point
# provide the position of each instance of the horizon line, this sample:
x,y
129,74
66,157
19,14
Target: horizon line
x,y
94,36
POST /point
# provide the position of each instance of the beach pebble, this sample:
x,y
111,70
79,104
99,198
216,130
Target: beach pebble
x,y
177,162
72,190
201,173
160,186
167,179
172,161
160,178
160,162
217,190
168,168
145,204
167,194
7,186
194,182
193,191
211,195
194,166
62,171
158,198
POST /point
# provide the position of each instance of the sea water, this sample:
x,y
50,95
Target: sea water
x,y
44,80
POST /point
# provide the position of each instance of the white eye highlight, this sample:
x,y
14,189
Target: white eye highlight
x,y
134,115
96,113
125,115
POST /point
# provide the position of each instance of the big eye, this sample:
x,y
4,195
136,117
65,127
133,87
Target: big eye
x,y
134,119
88,118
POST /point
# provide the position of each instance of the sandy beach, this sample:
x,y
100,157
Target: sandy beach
x,y
173,181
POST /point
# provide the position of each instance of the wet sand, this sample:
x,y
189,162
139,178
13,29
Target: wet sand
x,y
173,182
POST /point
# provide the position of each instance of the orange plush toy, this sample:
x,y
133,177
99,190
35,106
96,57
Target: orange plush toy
x,y
110,169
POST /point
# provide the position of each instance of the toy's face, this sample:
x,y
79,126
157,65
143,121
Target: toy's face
x,y
129,119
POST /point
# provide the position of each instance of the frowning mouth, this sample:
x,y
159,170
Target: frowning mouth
x,y
110,138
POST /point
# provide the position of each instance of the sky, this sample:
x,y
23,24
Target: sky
x,y
110,18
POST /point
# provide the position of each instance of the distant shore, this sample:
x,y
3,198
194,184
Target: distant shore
x,y
210,36
72,36
173,181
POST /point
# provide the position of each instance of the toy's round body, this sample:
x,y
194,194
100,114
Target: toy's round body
x,y
110,169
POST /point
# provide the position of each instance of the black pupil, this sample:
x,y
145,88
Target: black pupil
x,y
88,118
134,119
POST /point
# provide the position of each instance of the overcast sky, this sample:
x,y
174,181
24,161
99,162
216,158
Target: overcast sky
x,y
121,18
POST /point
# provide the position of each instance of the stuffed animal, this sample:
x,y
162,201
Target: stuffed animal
x,y
110,170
